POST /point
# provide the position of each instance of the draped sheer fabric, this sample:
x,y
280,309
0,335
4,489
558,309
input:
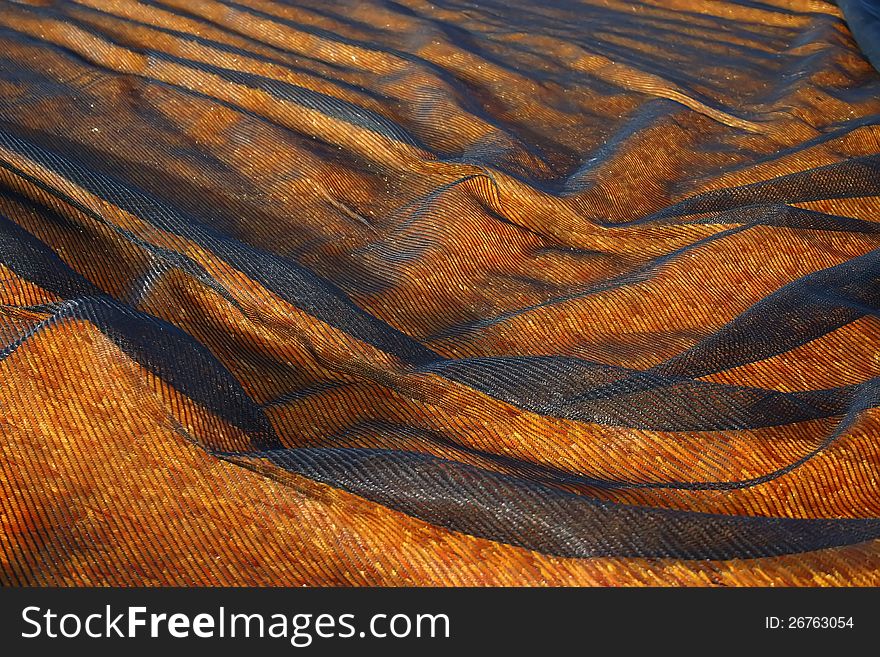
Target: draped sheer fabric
x,y
451,293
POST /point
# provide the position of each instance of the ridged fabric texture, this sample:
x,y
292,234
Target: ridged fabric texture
x,y
399,293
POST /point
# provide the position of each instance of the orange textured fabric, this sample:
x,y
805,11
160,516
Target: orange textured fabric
x,y
408,293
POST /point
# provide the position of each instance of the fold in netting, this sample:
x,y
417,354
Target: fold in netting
x,y
439,293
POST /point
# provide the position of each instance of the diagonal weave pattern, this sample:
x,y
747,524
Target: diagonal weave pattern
x,y
407,293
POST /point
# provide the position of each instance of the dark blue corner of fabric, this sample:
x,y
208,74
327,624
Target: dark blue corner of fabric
x,y
863,18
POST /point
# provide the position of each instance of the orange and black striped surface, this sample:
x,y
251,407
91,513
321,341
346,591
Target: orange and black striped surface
x,y
451,293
